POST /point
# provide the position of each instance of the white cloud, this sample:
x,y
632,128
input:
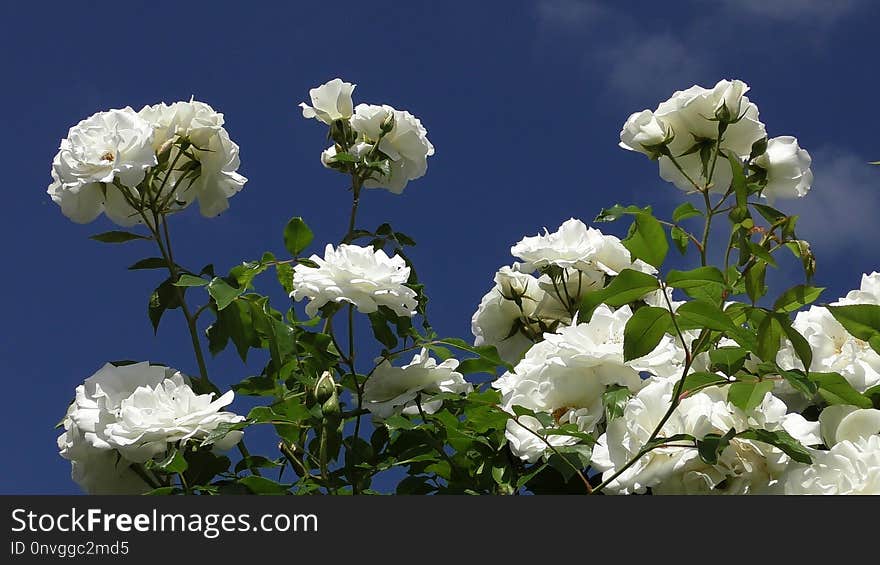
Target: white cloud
x,y
839,216
818,12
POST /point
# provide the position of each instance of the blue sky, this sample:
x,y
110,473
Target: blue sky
x,y
522,100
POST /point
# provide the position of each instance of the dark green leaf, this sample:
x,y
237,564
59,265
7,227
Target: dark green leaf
x,y
801,346
164,297
174,462
643,331
679,238
381,331
702,379
685,211
626,287
117,237
190,280
647,239
772,215
264,486
712,445
614,399
297,236
748,395
835,389
797,297
149,263
761,253
754,279
222,293
769,338
616,211
728,360
284,272
782,440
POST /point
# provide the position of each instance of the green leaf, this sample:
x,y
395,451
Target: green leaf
x,y
297,236
685,211
647,239
190,280
117,237
149,263
702,379
487,352
748,395
643,331
801,346
264,486
797,297
761,253
260,385
164,297
627,286
614,399
398,422
754,280
738,183
696,277
712,445
222,293
728,360
800,382
381,331
284,272
221,430
835,389
617,211
162,491
174,462
703,314
860,320
679,238
769,338
782,440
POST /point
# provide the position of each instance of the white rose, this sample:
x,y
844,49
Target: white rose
x,y
643,130
868,292
215,152
528,446
330,102
498,317
406,145
562,297
690,114
787,167
391,390
730,98
361,276
97,471
574,245
140,409
743,467
851,465
566,374
113,145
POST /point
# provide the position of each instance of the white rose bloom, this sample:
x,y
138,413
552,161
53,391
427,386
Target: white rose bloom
x,y
574,245
642,130
567,373
528,446
139,409
851,465
358,275
394,390
108,146
498,315
690,113
97,471
330,102
358,151
406,145
787,167
834,348
217,154
743,467
563,296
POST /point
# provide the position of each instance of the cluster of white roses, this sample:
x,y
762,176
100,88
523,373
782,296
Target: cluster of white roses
x,y
131,414
683,131
393,141
123,162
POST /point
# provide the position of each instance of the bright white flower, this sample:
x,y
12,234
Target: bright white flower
x,y
216,153
406,143
358,151
743,467
787,167
528,446
362,276
394,390
109,146
643,130
97,471
852,463
868,292
574,245
566,374
330,102
140,409
499,319
563,296
730,99
691,115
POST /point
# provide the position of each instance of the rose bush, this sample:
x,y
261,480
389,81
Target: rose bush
x,y
595,367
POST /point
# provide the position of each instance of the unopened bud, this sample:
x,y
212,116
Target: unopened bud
x,y
325,388
387,123
330,409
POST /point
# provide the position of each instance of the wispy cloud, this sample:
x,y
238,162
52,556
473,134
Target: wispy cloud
x,y
839,215
813,12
